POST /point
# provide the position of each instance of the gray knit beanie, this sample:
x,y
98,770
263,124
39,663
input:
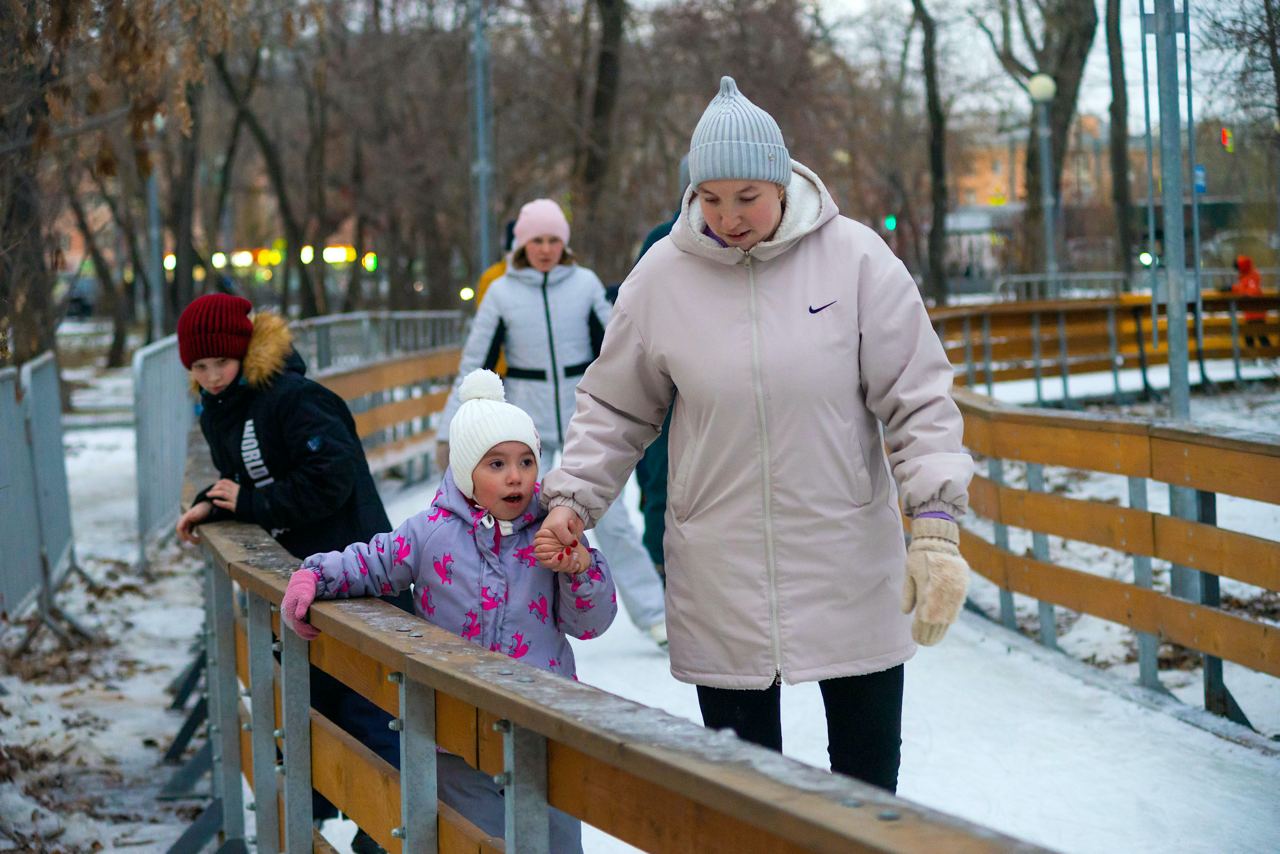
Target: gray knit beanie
x,y
737,140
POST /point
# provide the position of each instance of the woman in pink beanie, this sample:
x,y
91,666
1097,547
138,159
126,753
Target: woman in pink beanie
x,y
547,314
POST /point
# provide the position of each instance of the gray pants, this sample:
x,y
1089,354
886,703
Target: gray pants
x,y
477,797
639,585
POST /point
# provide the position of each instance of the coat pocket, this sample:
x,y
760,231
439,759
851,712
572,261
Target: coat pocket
x,y
678,489
856,472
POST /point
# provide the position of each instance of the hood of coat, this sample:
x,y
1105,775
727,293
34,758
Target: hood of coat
x,y
530,276
451,498
807,208
270,352
1244,264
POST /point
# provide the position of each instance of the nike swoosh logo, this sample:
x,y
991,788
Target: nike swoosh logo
x,y
813,310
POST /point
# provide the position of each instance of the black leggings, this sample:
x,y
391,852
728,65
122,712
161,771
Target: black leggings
x,y
864,721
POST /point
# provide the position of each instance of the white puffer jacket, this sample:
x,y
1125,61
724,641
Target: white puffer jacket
x,y
784,544
550,326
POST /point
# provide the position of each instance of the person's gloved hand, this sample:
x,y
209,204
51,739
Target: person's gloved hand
x,y
936,578
298,597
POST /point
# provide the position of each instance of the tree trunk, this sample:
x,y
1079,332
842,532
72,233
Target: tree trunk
x,y
936,277
594,153
1119,141
352,299
183,192
26,282
293,233
113,296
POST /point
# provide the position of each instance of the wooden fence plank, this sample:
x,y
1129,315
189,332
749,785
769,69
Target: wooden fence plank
x,y
1248,474
1254,644
1071,443
1246,558
409,370
398,412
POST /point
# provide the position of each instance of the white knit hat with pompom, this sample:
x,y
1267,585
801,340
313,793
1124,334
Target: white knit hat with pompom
x,y
483,420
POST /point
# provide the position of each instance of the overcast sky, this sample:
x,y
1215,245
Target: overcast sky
x,y
1095,93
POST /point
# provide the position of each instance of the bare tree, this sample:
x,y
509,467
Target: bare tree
x,y
1057,35
936,274
1121,199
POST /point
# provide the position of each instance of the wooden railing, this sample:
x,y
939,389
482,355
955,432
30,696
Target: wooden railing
x,y
655,781
1044,341
393,400
1210,461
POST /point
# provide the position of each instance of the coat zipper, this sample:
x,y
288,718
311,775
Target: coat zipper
x,y
765,480
555,372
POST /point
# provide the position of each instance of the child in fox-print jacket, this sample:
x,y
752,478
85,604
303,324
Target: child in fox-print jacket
x,y
470,555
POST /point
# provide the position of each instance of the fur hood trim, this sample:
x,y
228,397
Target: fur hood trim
x,y
269,347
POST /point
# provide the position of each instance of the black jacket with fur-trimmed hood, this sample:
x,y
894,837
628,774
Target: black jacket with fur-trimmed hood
x,y
292,446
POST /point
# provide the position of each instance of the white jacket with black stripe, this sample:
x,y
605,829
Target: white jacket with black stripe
x,y
550,326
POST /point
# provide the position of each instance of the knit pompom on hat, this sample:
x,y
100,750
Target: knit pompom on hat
x,y
736,140
214,326
539,217
483,420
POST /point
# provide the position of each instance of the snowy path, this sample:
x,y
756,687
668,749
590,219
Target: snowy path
x,y
1000,732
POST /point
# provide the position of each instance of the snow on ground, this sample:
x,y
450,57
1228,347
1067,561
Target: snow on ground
x,y
996,729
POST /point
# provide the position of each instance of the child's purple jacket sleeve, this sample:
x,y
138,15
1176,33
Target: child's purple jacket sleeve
x,y
380,567
587,601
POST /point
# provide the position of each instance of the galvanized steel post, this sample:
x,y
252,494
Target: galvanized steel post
x,y
528,825
1148,645
417,765
224,718
1000,533
263,721
295,732
1040,551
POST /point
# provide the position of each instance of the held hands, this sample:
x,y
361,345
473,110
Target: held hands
x,y
186,526
573,558
936,578
298,597
225,493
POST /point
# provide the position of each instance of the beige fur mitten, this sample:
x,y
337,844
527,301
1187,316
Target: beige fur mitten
x,y
937,577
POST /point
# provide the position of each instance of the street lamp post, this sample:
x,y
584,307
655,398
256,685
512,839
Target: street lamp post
x,y
1042,88
155,236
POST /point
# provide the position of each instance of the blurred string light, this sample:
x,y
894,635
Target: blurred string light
x,y
467,294
241,259
1145,259
171,261
370,262
218,259
307,255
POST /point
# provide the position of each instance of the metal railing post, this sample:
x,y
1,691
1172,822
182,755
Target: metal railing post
x,y
968,352
295,734
1148,645
1008,617
1235,342
417,765
1036,357
986,353
1040,551
1217,697
1062,359
1113,348
528,825
263,722
224,714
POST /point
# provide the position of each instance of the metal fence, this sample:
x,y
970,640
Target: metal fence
x,y
162,413
1041,286
35,504
163,408
42,406
19,525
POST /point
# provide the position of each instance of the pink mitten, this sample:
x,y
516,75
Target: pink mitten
x,y
298,597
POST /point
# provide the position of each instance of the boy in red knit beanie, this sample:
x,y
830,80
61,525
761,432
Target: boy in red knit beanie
x,y
288,459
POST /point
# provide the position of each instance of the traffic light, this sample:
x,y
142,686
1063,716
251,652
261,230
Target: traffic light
x,y
1228,140
890,223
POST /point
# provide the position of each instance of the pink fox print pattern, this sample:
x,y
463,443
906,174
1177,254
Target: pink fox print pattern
x,y
465,574
444,568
